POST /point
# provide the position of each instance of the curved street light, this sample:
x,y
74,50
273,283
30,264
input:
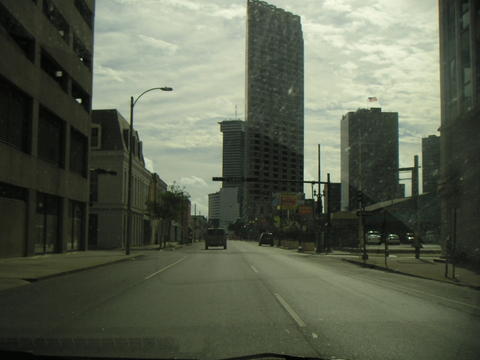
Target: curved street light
x,y
130,155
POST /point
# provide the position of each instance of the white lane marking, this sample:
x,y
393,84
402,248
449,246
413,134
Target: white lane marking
x,y
315,336
253,268
290,311
165,268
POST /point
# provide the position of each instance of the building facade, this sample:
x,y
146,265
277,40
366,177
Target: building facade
x,y
45,99
214,208
369,157
233,151
233,158
459,145
430,163
274,106
108,193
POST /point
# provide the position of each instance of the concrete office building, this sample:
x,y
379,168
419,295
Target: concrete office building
x,y
460,126
233,157
223,207
430,163
274,106
108,193
45,96
369,157
233,150
214,208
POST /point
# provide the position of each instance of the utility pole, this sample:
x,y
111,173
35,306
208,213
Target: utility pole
x,y
327,211
415,204
319,225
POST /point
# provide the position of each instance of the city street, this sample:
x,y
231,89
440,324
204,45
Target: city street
x,y
196,303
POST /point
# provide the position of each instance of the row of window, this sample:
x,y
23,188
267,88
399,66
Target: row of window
x,y
16,110
63,28
27,44
26,41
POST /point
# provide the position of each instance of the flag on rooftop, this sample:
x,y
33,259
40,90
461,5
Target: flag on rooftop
x,y
372,99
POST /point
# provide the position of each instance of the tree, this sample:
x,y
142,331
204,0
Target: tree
x,y
170,206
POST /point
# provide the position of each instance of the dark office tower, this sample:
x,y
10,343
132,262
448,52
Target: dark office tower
x,y
430,163
459,140
233,152
233,162
369,158
274,105
45,97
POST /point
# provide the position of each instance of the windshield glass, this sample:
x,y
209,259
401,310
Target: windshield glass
x,y
219,178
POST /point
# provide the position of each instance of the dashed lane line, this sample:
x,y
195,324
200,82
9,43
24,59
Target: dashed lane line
x,y
290,311
164,268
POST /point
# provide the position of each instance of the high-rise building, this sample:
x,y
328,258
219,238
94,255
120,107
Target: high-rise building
x,y
459,144
233,155
274,106
214,207
430,163
233,151
45,98
369,157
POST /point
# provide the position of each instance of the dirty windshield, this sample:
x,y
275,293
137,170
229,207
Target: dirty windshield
x,y
221,179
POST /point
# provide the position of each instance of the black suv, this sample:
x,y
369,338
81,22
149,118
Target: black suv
x,y
265,238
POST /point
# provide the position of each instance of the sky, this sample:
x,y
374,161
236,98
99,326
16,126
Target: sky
x,y
354,49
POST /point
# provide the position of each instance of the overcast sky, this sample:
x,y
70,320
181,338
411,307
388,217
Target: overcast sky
x,y
353,49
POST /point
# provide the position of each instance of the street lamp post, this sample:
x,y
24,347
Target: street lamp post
x,y
130,155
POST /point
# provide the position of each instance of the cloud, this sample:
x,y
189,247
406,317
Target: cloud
x,y
149,164
193,181
170,49
353,49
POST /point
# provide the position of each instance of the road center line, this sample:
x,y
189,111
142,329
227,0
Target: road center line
x,y
290,311
164,268
253,268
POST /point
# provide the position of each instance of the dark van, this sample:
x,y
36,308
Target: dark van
x,y
215,237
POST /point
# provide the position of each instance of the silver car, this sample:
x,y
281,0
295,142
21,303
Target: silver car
x,y
374,237
393,239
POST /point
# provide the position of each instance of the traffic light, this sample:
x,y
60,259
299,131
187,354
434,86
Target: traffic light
x,y
360,198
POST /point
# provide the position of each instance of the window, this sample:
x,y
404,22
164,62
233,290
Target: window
x,y
96,137
83,54
78,152
81,96
15,116
57,20
50,137
85,12
17,33
93,186
56,72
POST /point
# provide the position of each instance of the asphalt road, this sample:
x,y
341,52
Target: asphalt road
x,y
212,304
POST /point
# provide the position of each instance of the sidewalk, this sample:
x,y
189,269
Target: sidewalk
x,y
431,268
402,261
24,270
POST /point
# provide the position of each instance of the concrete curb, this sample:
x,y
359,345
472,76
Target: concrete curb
x,y
381,268
66,272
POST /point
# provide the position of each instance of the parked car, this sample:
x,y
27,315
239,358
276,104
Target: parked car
x,y
374,237
215,237
265,238
409,237
393,239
